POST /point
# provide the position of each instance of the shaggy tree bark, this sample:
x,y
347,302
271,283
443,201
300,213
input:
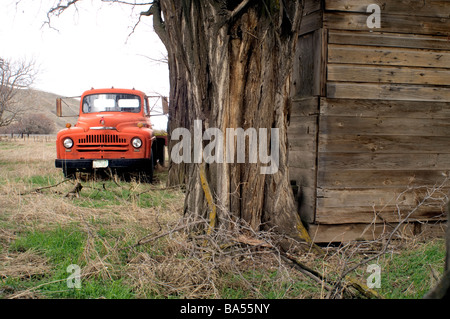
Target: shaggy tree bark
x,y
230,67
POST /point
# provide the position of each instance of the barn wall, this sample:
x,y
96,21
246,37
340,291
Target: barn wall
x,y
302,131
383,116
308,84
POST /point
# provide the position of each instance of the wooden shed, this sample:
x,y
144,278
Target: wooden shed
x,y
369,129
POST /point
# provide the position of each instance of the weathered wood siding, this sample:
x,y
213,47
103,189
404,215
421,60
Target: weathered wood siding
x,y
382,126
308,84
302,133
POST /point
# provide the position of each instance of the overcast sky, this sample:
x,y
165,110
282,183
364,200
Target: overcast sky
x,y
90,48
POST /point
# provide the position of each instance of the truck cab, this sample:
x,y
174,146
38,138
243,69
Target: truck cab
x,y
113,131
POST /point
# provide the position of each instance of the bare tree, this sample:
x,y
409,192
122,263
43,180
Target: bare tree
x,y
14,77
35,124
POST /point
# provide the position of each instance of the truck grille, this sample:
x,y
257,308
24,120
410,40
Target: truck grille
x,y
102,139
102,143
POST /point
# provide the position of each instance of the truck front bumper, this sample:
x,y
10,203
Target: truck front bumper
x,y
88,164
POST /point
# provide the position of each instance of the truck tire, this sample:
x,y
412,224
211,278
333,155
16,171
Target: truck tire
x,y
69,172
154,152
148,172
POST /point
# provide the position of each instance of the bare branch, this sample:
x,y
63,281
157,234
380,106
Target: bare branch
x,y
158,23
37,190
238,9
430,192
164,59
129,3
60,8
15,77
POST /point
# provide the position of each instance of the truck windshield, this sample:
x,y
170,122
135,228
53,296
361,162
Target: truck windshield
x,y
111,103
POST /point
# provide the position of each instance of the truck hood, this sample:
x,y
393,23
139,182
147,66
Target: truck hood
x,y
117,121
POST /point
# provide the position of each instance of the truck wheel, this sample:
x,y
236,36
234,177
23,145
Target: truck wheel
x,y
69,172
154,152
148,172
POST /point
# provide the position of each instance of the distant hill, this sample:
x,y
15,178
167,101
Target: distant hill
x,y
45,103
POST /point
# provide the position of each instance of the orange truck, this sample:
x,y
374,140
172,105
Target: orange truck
x,y
113,132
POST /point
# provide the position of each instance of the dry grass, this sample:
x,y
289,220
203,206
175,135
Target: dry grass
x,y
27,168
23,265
113,218
130,242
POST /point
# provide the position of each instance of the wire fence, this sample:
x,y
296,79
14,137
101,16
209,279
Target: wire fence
x,y
28,137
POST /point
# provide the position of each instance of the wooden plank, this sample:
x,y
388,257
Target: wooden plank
x,y
302,139
359,161
311,22
389,23
304,106
302,159
304,99
387,144
374,197
306,201
338,179
320,63
304,177
303,126
357,54
344,233
303,67
346,125
388,74
379,214
302,143
349,90
349,232
309,64
339,206
311,6
399,40
429,8
384,108
378,198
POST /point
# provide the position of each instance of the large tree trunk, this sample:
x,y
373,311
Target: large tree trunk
x,y
230,67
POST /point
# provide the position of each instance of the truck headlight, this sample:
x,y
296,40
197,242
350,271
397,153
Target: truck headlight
x,y
136,142
68,143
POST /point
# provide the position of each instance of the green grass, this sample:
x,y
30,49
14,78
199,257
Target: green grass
x,y
60,245
10,146
269,285
56,287
63,247
41,180
404,274
408,275
43,232
108,194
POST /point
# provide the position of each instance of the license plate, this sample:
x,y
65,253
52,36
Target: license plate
x,y
100,164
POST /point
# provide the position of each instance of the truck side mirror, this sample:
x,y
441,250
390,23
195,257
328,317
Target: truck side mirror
x,y
165,105
58,107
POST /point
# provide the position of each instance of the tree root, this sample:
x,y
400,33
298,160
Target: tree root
x,y
329,284
75,192
209,198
